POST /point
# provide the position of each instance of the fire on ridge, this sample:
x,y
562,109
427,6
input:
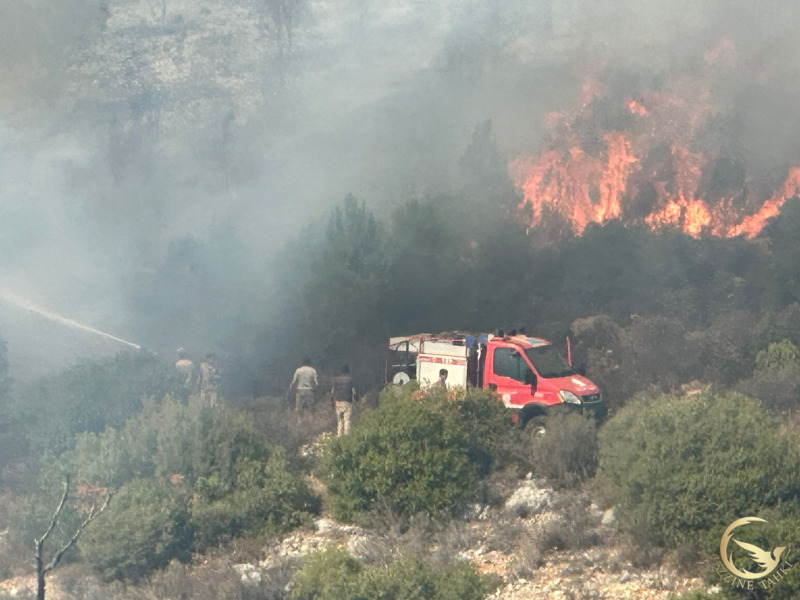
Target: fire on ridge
x,y
657,164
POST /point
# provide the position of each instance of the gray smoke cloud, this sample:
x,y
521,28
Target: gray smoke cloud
x,y
126,125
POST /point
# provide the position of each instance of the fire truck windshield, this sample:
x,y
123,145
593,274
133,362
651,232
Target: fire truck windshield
x,y
548,362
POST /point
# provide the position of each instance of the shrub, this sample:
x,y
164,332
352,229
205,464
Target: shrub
x,y
230,482
335,575
145,526
487,425
683,466
169,438
567,453
777,389
263,498
330,574
419,452
783,525
726,347
776,380
777,356
30,515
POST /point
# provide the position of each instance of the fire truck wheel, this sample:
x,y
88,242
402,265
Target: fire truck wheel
x,y
533,419
401,378
537,425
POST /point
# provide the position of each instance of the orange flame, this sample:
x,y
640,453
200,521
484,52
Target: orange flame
x,y
656,159
637,108
753,224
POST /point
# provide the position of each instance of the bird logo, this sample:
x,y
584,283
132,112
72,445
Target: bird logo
x,y
768,560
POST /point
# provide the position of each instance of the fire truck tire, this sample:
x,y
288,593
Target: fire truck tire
x,y
533,418
401,378
537,425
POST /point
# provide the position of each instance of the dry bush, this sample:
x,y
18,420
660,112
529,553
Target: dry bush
x,y
501,484
566,526
276,418
567,454
212,581
436,541
528,556
576,526
506,534
641,556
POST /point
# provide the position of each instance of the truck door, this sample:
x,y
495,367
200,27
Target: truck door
x,y
513,377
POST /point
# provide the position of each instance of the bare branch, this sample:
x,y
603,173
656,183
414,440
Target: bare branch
x,y
92,515
40,541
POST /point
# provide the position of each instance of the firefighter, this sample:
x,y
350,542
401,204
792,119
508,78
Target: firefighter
x,y
343,396
442,381
185,366
209,380
305,382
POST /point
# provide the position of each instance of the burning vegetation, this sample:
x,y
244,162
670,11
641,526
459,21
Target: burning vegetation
x,y
663,157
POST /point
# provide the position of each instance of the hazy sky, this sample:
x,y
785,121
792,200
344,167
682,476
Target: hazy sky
x,y
124,126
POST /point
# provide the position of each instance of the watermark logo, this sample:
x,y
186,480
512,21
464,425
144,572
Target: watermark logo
x,y
772,570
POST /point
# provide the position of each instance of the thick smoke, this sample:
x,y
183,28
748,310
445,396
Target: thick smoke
x,y
133,132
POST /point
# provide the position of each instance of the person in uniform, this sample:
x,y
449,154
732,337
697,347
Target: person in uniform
x,y
442,381
305,382
185,366
209,380
343,396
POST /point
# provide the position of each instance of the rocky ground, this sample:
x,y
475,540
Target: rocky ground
x,y
540,543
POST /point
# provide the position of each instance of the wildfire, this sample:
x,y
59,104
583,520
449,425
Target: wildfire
x,y
656,167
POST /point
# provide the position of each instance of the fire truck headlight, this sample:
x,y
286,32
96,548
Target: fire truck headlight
x,y
569,397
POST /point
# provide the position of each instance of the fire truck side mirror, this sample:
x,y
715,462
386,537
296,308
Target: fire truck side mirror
x,y
530,378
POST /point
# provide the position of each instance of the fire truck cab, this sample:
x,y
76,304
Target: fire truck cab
x,y
528,374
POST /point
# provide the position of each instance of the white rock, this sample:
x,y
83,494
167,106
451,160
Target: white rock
x,y
529,498
249,573
610,517
326,526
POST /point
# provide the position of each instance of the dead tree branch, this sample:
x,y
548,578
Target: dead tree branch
x,y
41,570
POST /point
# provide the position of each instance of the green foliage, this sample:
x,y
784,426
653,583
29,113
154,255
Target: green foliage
x,y
331,574
29,516
783,523
778,390
89,397
263,498
420,452
226,479
188,439
683,466
146,526
487,426
777,356
335,575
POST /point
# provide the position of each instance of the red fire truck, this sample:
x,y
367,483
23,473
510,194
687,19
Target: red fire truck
x,y
528,374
